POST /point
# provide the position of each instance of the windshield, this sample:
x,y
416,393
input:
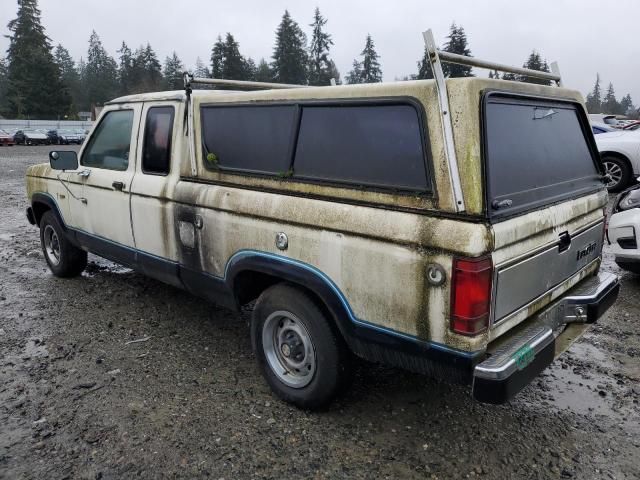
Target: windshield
x,y
536,153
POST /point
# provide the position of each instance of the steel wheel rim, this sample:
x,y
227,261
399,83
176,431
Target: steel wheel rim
x,y
51,245
613,170
289,349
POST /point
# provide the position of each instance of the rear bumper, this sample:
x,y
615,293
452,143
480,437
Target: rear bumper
x,y
519,357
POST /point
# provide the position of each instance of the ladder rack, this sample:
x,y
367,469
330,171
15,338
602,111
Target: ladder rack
x,y
436,57
190,80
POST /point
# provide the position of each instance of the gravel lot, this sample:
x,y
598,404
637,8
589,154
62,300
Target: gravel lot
x,y
77,401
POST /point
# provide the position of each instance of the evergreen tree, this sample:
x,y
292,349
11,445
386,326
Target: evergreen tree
x,y
368,70
69,77
125,70
201,70
146,70
321,67
4,105
457,43
610,105
535,62
594,99
228,63
263,72
424,67
172,73
250,69
626,105
290,58
355,75
101,73
334,73
34,88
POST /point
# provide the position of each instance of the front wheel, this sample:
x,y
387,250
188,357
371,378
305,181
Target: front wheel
x,y
64,259
302,355
619,172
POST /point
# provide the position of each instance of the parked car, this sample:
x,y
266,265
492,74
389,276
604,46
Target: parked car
x,y
31,137
352,226
623,233
64,137
602,118
6,138
81,133
620,152
635,125
598,128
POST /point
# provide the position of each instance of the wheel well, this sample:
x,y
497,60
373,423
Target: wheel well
x,y
248,285
39,209
619,156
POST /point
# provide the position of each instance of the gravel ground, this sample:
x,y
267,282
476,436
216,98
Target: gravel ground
x,y
78,401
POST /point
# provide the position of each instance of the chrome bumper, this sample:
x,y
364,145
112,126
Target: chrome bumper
x,y
520,356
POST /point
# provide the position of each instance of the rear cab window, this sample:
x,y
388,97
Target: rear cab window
x,y
156,153
536,152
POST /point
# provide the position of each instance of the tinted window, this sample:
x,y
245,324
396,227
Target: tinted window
x,y
375,145
156,154
249,138
110,143
536,153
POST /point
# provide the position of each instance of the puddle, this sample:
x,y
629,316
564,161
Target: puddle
x,y
570,391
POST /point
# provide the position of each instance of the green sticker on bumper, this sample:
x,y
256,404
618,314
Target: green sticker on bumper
x,y
523,357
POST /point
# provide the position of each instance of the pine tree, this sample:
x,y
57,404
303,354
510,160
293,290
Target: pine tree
x,y
368,70
626,105
172,73
4,105
457,43
610,105
263,72
34,88
321,67
355,75
535,62
290,58
101,73
334,73
424,67
69,76
227,62
201,70
125,70
594,99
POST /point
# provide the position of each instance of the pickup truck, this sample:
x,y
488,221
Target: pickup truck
x,y
450,227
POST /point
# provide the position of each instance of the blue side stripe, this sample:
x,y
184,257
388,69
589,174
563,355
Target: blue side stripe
x,y
345,303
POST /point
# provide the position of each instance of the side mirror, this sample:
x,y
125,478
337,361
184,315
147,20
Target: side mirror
x,y
67,160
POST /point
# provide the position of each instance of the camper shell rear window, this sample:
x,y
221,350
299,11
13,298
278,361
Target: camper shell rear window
x,y
537,152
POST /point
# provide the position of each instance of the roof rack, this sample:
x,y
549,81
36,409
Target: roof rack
x,y
190,80
436,57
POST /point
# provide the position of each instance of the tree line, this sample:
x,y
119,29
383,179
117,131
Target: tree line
x,y
39,80
609,104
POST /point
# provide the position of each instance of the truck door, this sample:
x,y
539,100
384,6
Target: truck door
x,y
107,167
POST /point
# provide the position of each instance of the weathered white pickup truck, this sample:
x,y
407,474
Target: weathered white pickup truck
x,y
451,227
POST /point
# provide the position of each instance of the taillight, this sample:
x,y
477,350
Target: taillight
x,y
471,295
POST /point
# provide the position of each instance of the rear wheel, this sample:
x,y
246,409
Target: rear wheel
x,y
619,172
302,355
63,258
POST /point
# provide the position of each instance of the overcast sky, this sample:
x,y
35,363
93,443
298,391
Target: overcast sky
x,y
584,36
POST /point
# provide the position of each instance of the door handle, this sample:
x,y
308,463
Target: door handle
x,y
118,185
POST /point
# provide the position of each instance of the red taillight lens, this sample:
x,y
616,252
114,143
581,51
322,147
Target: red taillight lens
x,y
471,295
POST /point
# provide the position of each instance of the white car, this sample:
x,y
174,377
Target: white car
x,y
620,153
623,230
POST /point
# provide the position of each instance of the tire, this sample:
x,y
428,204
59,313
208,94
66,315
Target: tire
x,y
64,259
619,171
301,354
629,266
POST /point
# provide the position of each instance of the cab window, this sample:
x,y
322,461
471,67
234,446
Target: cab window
x,y
156,153
109,146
